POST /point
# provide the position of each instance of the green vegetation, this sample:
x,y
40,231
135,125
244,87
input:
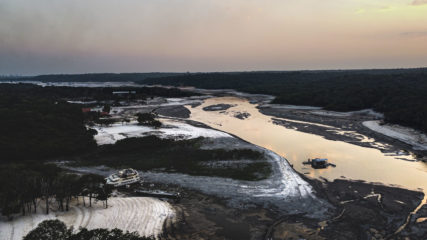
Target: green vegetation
x,y
399,94
57,230
184,156
23,185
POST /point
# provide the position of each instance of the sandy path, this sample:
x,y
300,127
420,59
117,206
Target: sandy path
x,y
141,214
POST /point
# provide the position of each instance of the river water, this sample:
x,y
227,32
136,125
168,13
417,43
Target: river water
x,y
353,162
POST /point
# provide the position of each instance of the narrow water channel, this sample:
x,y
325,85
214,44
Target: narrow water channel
x,y
353,162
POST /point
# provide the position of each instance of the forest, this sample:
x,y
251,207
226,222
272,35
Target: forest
x,y
399,94
35,127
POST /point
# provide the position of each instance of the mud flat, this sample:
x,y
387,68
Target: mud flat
x,y
360,211
368,210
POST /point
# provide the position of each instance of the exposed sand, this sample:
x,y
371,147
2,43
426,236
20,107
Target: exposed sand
x,y
141,214
170,129
407,135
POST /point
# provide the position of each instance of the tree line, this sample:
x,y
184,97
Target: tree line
x,y
25,187
400,94
90,77
90,93
57,230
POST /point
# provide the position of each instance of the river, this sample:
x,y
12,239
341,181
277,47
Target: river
x,y
352,161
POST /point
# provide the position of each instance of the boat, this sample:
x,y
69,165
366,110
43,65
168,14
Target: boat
x,y
319,163
123,177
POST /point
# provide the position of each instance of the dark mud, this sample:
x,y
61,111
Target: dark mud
x,y
366,210
242,115
173,111
358,214
362,211
417,227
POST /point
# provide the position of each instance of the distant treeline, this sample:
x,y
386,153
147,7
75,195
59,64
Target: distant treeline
x,y
89,77
90,93
400,94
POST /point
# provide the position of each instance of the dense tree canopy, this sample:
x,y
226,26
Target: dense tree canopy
x,y
33,127
38,123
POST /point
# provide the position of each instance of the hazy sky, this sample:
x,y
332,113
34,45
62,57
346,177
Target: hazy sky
x,y
79,36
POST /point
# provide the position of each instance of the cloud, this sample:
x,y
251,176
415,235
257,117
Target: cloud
x,y
414,34
419,2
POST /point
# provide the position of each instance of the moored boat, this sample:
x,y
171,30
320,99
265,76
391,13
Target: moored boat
x,y
123,177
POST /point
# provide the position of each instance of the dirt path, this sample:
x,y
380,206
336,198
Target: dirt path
x,y
141,214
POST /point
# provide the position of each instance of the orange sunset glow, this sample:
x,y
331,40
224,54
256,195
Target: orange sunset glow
x,y
210,35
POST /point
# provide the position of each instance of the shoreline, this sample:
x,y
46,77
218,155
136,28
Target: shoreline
x,y
345,128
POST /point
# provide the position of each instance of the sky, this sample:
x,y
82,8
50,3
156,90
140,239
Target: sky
x,y
84,36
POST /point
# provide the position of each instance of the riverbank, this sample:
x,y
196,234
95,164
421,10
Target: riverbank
x,y
348,127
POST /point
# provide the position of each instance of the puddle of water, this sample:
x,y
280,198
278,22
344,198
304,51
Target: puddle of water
x,y
353,161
